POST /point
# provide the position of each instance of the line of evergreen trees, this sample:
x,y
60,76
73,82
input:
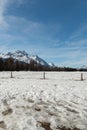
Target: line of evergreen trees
x,y
11,64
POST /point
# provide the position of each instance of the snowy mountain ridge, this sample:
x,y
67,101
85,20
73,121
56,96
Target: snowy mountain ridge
x,y
25,57
84,67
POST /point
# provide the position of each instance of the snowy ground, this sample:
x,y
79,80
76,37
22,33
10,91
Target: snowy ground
x,y
27,100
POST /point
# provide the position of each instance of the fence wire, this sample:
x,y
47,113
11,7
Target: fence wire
x,y
44,75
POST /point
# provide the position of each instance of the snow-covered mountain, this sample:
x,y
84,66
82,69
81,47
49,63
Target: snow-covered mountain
x,y
25,57
84,67
39,60
52,65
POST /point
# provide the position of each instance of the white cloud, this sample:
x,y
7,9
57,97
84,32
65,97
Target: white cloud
x,y
4,4
32,29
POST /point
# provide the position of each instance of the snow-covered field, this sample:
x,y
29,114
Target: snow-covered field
x,y
27,101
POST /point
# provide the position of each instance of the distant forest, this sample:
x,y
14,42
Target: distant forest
x,y
11,64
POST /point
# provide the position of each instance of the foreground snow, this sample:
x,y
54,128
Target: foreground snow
x,y
27,100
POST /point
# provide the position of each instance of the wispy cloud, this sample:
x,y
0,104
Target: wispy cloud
x,y
79,33
32,30
4,4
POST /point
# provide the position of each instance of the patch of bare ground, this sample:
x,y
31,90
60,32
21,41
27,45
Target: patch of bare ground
x,y
2,125
7,112
64,128
46,126
37,109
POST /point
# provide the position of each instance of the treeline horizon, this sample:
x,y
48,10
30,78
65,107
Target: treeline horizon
x,y
11,64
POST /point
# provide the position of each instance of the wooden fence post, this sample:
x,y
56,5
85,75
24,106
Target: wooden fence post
x,y
81,76
43,75
11,75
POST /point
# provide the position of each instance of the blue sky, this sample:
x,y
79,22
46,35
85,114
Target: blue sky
x,y
55,30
